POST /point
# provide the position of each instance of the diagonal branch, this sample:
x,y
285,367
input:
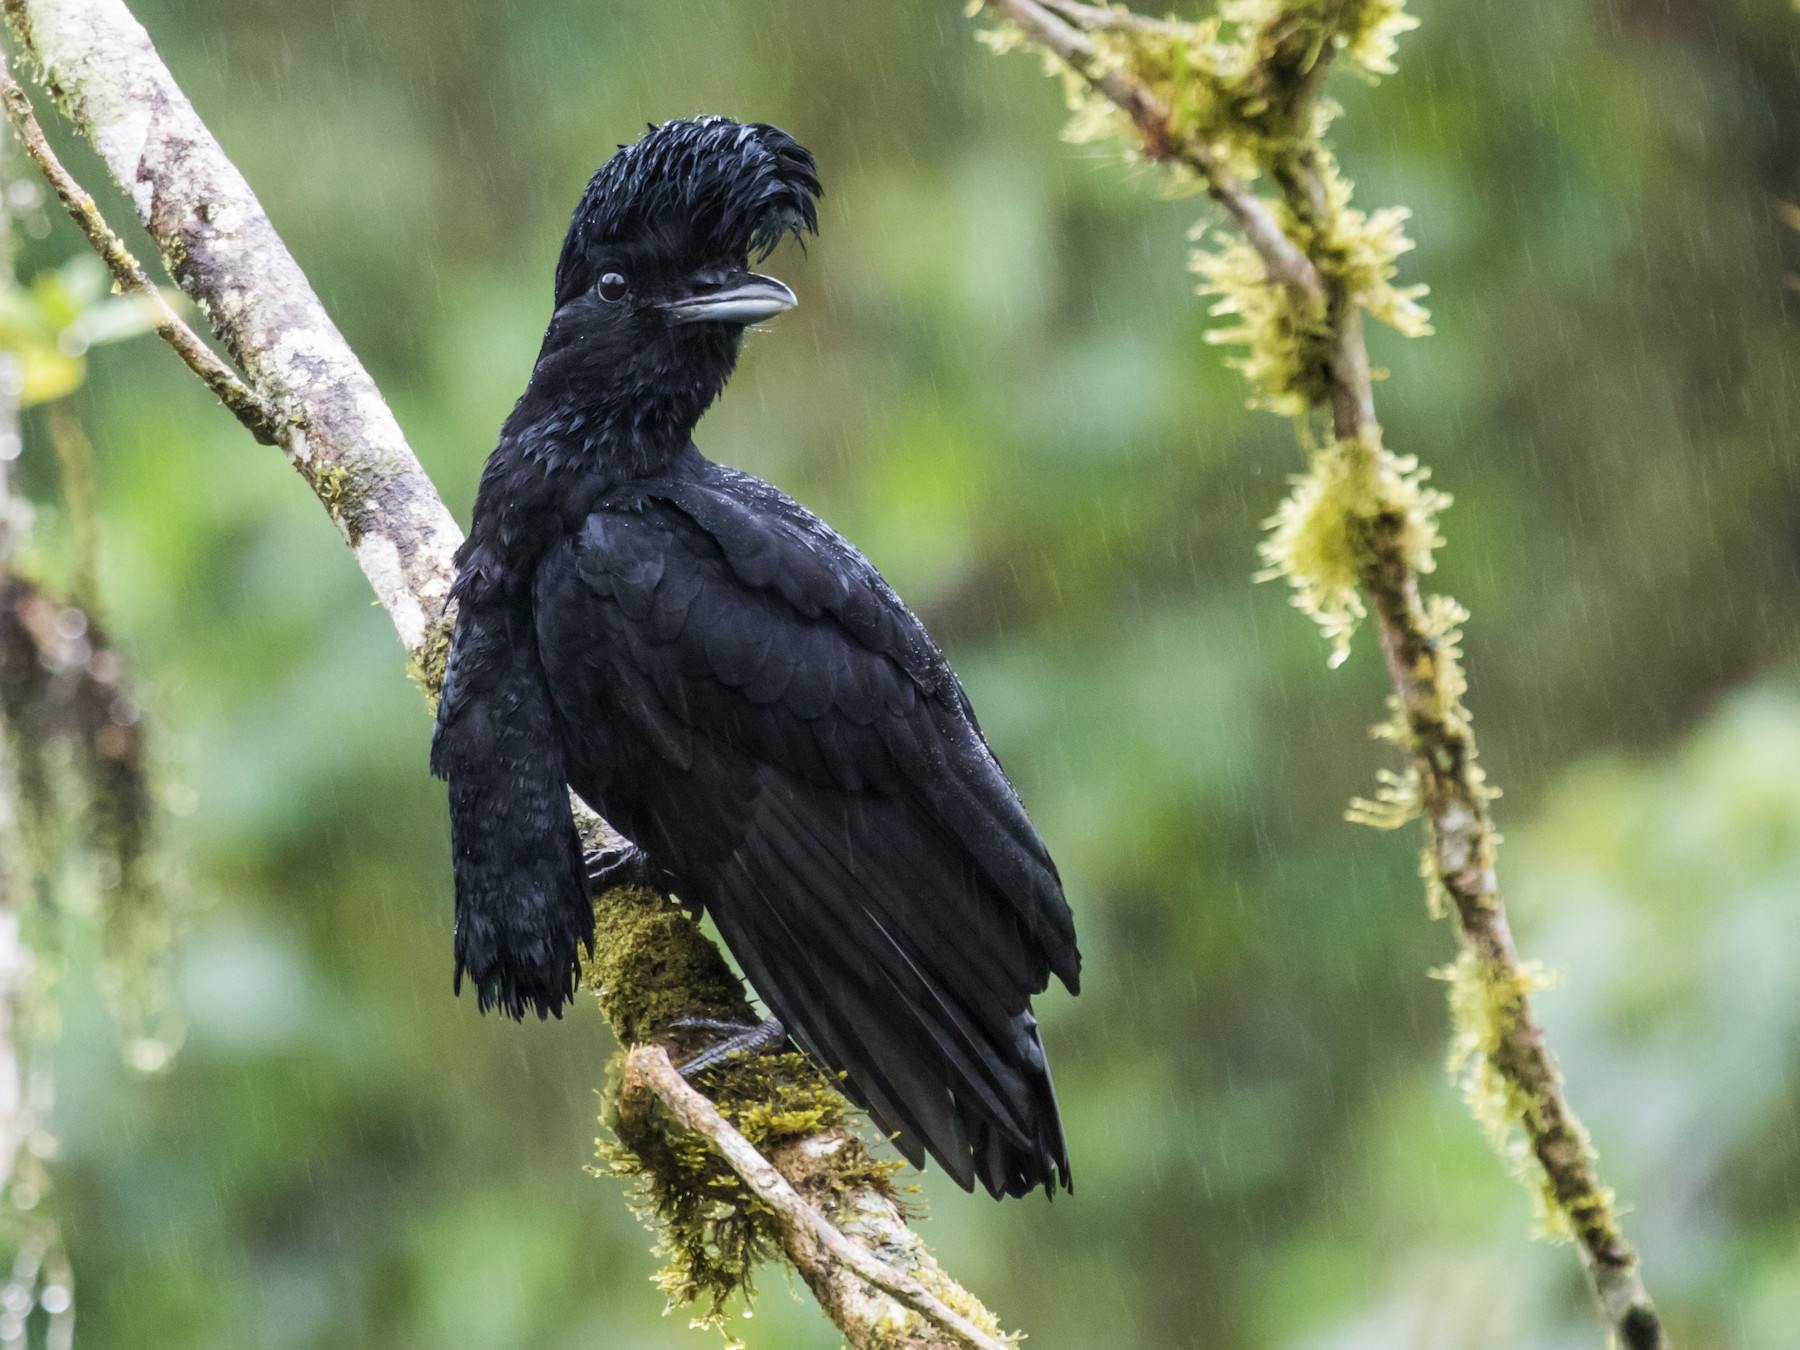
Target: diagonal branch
x,y
1417,643
821,1252
304,388
1285,260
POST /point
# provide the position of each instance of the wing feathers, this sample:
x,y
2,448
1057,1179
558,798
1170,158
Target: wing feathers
x,y
953,1074
755,707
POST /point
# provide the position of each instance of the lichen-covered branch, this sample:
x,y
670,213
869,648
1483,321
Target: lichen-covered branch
x,y
306,389
1232,100
653,968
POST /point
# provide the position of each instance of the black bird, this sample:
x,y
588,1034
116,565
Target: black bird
x,y
731,684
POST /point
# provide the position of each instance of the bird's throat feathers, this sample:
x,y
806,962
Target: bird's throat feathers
x,y
619,410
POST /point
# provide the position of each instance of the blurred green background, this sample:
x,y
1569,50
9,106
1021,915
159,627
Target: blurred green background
x,y
997,385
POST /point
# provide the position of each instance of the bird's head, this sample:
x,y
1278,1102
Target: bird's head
x,y
654,288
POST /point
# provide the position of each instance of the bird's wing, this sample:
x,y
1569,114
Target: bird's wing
x,y
884,673
795,747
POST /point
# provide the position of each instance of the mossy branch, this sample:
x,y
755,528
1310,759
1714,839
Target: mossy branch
x,y
303,388
1220,104
835,1268
653,968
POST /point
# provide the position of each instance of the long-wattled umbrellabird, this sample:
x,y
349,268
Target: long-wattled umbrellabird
x,y
732,685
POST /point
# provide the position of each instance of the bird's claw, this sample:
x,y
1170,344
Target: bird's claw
x,y
623,865
736,1038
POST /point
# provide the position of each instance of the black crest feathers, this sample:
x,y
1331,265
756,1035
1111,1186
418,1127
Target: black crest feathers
x,y
708,188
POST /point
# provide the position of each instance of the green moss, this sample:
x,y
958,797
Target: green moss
x,y
1288,340
1322,538
425,666
1287,351
1396,802
342,492
711,1231
1487,1002
653,967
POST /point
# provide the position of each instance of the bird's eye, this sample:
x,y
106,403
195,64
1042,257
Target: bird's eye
x,y
613,287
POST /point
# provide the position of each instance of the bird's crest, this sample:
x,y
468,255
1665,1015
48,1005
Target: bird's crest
x,y
709,188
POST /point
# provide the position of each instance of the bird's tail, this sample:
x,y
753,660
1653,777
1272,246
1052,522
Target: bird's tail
x,y
889,955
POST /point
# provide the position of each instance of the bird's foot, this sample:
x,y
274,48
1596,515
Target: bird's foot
x,y
624,865
735,1038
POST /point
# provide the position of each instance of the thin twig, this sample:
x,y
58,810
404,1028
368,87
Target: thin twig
x,y
1099,16
812,1237
1442,748
245,405
1286,263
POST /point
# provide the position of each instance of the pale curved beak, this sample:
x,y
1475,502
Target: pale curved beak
x,y
748,299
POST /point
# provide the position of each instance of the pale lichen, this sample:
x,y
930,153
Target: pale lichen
x,y
1322,538
425,665
1288,339
1488,1001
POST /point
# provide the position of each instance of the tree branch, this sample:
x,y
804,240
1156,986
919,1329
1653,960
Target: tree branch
x,y
1161,141
838,1271
1418,646
304,387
